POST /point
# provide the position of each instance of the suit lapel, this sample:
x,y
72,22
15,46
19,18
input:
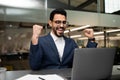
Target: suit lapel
x,y
65,53
52,45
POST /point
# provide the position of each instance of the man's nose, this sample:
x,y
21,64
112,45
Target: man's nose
x,y
61,25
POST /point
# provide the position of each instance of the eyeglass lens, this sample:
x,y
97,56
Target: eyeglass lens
x,y
61,22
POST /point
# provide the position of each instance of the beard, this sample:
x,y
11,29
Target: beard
x,y
59,34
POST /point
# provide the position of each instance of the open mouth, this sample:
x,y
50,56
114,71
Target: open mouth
x,y
60,30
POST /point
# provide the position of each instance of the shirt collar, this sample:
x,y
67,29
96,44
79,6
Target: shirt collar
x,y
55,38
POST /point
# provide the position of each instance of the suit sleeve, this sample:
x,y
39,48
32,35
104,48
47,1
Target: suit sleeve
x,y
91,44
35,57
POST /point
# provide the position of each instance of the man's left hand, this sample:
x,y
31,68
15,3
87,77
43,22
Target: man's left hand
x,y
89,33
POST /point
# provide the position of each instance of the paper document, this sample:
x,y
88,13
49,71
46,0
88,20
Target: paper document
x,y
40,77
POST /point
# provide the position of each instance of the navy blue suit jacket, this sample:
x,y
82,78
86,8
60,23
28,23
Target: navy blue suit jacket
x,y
45,54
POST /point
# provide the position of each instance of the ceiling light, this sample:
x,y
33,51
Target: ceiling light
x,y
109,31
75,36
116,30
78,28
96,33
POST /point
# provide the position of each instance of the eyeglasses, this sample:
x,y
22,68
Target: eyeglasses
x,y
58,22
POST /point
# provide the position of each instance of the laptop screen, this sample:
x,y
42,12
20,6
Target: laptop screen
x,y
93,63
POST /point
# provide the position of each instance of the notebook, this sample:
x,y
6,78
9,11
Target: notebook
x,y
93,63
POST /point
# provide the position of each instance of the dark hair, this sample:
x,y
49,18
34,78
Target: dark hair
x,y
57,11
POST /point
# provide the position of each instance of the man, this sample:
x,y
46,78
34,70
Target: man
x,y
54,50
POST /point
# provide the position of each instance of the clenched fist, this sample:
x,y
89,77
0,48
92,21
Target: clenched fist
x,y
37,30
89,33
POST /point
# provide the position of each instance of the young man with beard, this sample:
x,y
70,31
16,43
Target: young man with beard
x,y
54,51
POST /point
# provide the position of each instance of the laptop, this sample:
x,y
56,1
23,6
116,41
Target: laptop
x,y
93,63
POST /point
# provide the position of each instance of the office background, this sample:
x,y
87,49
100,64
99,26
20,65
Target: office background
x,y
18,16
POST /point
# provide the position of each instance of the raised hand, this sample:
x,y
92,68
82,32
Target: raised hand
x,y
37,30
89,33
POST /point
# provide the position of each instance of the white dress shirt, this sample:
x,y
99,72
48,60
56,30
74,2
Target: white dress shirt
x,y
60,44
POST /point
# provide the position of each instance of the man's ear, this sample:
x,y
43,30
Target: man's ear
x,y
50,23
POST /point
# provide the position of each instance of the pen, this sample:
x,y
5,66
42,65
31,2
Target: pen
x,y
41,78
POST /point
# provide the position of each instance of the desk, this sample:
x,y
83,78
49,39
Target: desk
x,y
12,75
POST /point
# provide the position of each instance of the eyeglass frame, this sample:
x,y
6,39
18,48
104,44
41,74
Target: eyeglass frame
x,y
58,22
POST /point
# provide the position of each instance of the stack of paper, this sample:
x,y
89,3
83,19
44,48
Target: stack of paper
x,y
41,77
